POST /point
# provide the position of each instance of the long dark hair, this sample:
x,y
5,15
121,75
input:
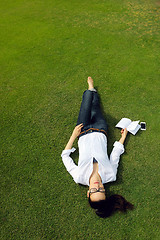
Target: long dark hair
x,y
105,208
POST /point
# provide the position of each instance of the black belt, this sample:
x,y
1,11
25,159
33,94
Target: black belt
x,y
90,130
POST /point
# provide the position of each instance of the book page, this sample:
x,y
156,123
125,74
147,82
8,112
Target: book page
x,y
132,125
134,129
124,123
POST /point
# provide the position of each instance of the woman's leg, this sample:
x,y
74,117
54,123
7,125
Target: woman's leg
x,y
85,110
97,119
90,112
86,106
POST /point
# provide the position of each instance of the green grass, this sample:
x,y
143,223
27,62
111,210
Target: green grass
x,y
47,51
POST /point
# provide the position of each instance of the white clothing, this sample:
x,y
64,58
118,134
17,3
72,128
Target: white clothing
x,y
93,145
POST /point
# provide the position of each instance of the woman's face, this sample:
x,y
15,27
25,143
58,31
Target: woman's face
x,y
96,191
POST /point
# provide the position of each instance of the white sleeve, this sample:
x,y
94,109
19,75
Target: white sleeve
x,y
68,162
115,155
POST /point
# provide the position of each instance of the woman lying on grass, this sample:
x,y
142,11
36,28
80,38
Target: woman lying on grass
x,y
94,167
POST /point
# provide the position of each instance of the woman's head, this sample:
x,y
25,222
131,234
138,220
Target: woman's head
x,y
96,190
96,194
106,207
97,197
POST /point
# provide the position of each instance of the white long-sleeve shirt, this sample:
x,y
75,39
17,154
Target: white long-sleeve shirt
x,y
93,145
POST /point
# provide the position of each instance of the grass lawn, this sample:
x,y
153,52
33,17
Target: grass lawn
x,y
47,51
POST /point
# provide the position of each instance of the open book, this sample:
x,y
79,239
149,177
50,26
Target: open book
x,y
132,126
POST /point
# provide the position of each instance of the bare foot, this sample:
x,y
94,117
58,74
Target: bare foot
x,y
90,83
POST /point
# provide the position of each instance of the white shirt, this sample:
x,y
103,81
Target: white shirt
x,y
93,145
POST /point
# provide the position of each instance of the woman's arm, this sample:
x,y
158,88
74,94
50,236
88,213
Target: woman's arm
x,y
75,134
117,151
123,135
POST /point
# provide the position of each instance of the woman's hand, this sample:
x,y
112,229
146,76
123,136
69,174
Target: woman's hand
x,y
77,130
123,135
74,135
